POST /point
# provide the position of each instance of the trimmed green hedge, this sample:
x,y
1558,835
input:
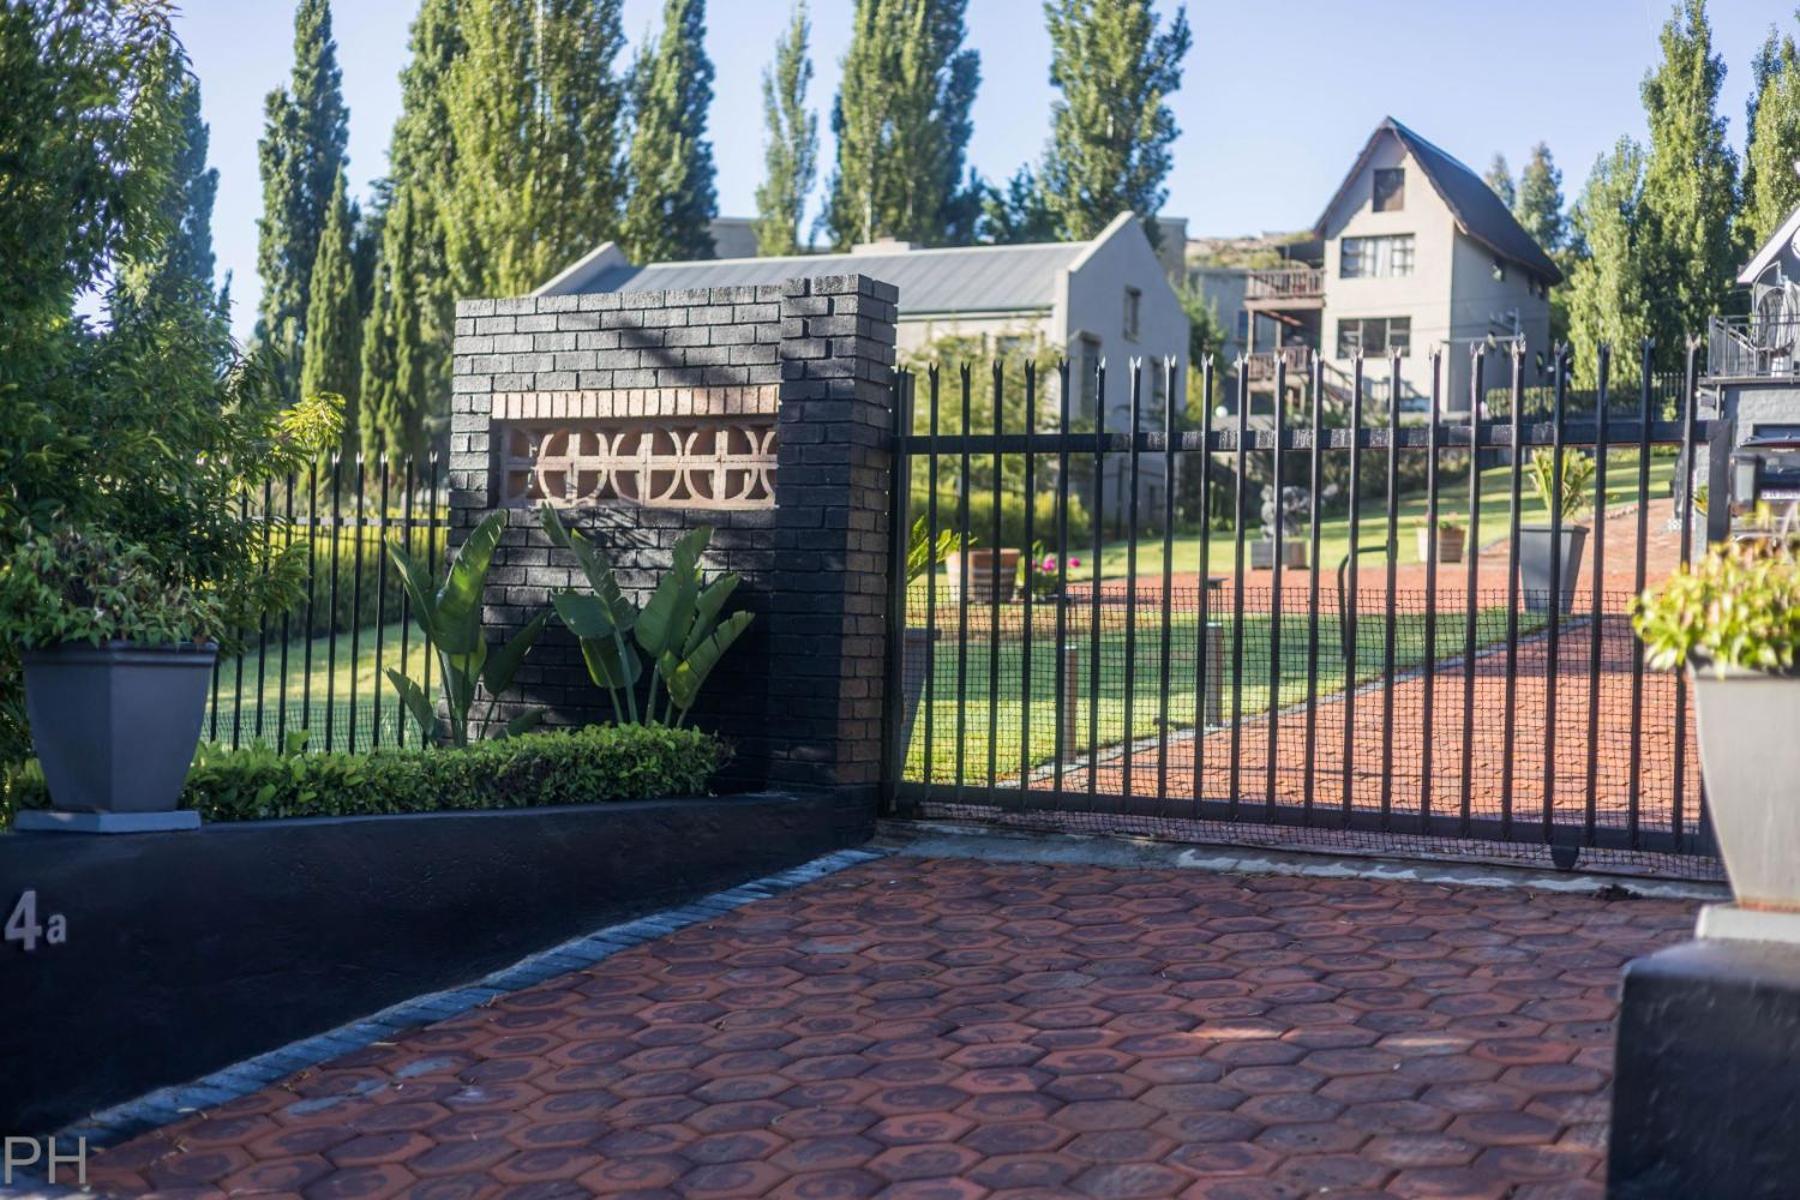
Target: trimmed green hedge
x,y
595,764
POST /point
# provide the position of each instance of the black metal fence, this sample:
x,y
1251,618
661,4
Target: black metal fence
x,y
1322,681
322,667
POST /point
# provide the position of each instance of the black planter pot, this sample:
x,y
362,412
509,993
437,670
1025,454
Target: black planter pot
x,y
1535,543
115,728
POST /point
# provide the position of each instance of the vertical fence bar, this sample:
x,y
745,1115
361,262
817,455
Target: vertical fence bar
x,y
1065,708
1240,509
1032,567
1315,493
356,560
893,705
287,624
1128,731
237,687
1514,479
1429,682
1471,611
1094,660
1690,423
337,464
1391,625
1552,664
262,629
432,527
929,695
1596,631
1203,642
312,580
1635,763
1347,602
381,558
993,741
1165,680
408,481
1276,565
962,597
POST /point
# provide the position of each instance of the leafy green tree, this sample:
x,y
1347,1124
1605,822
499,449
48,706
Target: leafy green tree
x,y
902,124
1499,177
179,270
334,318
1609,287
406,337
1690,183
791,149
672,200
1114,68
533,108
1539,205
1771,185
1019,212
305,130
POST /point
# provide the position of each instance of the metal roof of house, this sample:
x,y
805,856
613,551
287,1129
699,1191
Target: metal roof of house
x,y
1479,213
960,279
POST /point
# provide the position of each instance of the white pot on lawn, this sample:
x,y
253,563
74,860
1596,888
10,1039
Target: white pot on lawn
x,y
1749,733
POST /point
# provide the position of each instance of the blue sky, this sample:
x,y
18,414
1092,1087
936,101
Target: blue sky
x,y
1278,97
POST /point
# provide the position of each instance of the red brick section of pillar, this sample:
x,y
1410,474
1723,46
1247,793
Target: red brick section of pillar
x,y
828,599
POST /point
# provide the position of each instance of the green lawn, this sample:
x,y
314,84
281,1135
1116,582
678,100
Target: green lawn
x,y
1145,678
1334,532
306,693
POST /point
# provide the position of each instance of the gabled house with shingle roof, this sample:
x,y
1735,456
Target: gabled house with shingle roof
x,y
1414,252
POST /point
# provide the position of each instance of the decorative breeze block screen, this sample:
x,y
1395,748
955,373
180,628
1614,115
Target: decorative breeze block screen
x,y
660,448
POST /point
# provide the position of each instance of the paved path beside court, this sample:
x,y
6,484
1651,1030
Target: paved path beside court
x,y
952,1028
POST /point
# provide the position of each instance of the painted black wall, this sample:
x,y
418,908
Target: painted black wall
x,y
190,951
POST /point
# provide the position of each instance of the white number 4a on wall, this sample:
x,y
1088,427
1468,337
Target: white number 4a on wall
x,y
23,926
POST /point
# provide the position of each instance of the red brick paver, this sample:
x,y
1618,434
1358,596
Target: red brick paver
x,y
947,1028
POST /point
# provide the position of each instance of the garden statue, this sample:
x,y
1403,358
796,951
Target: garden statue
x,y
1292,507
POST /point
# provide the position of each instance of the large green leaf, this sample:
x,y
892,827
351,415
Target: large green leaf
x,y
707,609
684,679
418,585
607,667
586,615
498,672
457,624
526,720
595,566
417,703
663,625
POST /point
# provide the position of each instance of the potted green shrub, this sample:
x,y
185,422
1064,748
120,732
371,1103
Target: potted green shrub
x,y
1732,620
1451,538
116,661
1538,543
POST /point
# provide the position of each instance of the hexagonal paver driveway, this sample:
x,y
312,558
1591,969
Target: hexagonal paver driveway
x,y
950,1028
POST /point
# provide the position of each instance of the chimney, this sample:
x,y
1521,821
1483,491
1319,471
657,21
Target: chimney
x,y
884,245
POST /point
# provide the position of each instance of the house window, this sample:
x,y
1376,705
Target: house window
x,y
1012,346
1376,257
1374,337
1087,390
1243,326
1390,189
1134,301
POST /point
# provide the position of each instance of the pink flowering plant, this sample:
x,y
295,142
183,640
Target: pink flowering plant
x,y
1040,572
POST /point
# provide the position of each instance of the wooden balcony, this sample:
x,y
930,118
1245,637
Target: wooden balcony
x,y
1260,366
1286,287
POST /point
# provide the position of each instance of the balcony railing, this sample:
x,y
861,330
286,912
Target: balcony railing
x,y
1260,366
1287,283
1752,347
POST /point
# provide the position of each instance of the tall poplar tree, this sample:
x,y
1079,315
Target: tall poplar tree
x,y
791,146
1114,68
1499,177
902,124
534,106
333,315
1771,184
1608,289
1690,183
1539,205
672,198
405,384
306,128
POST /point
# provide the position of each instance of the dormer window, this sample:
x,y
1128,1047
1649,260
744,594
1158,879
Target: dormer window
x,y
1134,302
1390,189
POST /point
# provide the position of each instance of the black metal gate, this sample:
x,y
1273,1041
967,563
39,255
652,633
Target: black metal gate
x,y
1119,650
